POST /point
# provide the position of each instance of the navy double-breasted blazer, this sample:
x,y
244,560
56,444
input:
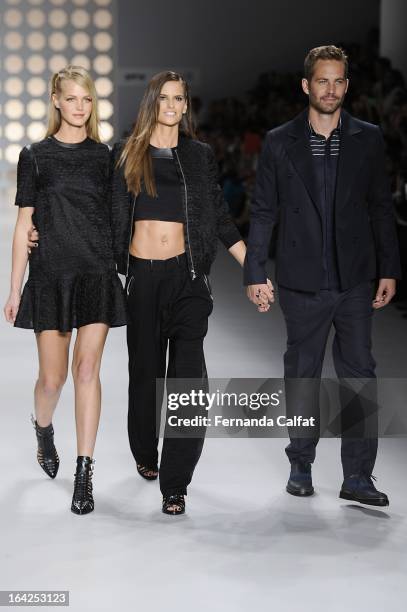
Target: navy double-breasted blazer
x,y
286,193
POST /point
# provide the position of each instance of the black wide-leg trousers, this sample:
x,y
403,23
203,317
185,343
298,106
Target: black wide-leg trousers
x,y
167,310
309,318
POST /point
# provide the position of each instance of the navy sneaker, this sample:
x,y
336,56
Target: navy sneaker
x,y
360,488
300,481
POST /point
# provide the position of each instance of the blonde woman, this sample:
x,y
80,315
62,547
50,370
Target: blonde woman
x,y
63,189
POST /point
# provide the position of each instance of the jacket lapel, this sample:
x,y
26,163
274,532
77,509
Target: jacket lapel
x,y
299,151
350,158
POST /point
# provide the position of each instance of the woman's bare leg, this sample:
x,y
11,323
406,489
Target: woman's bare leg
x,y
53,355
86,361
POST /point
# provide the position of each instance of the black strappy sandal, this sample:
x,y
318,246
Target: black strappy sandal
x,y
177,502
143,471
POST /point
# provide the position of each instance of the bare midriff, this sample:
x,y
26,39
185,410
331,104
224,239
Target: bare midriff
x,y
157,239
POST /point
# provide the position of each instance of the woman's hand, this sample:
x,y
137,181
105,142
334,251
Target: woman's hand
x,y
11,307
262,295
33,238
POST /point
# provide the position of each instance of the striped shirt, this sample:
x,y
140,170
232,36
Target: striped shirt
x,y
325,155
319,143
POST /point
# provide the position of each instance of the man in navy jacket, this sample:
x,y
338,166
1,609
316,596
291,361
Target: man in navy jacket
x,y
322,179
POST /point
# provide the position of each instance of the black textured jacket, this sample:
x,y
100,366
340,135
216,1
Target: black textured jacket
x,y
206,214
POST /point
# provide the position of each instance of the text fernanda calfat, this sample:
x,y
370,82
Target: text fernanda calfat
x,y
219,420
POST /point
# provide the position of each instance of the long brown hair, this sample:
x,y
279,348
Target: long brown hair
x,y
135,155
82,77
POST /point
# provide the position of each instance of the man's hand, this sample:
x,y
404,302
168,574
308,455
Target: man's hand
x,y
385,292
33,237
261,295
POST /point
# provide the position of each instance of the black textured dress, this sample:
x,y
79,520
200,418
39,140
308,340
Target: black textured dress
x,y
72,280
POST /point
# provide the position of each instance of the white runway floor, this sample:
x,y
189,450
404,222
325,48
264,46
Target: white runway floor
x,y
244,543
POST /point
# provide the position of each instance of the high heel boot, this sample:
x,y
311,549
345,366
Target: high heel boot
x,y
82,500
47,455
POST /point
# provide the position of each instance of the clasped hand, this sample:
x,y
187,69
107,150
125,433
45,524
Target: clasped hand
x,y
262,295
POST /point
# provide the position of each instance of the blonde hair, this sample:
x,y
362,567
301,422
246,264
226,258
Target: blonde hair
x,y
82,77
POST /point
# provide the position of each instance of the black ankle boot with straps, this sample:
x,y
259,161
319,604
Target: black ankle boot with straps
x,y
47,455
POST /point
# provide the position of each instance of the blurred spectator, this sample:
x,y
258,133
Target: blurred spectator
x,y
377,94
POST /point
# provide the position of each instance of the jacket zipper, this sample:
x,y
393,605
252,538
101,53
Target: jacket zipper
x,y
207,286
186,215
131,233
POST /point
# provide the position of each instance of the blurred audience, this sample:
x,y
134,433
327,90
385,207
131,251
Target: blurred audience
x,y
236,128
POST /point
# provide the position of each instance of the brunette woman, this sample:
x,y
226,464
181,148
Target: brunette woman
x,y
168,212
63,188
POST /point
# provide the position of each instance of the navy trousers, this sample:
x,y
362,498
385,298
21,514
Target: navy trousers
x,y
309,318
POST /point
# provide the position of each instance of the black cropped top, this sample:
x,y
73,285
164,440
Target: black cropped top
x,y
167,206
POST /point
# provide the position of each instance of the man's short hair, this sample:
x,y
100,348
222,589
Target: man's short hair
x,y
326,52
